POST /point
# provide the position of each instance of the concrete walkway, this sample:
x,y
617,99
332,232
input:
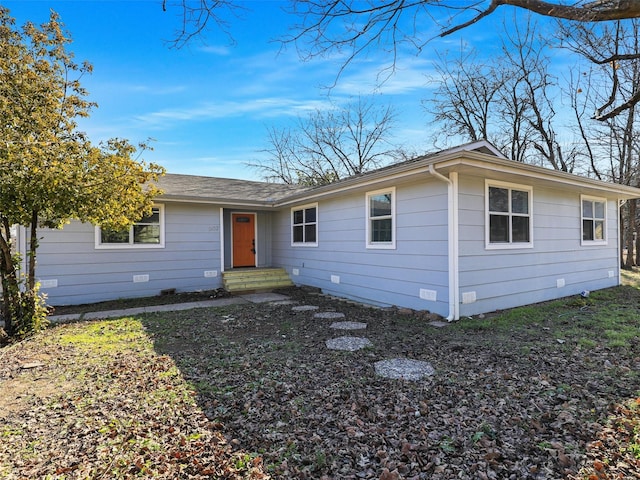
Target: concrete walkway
x,y
173,307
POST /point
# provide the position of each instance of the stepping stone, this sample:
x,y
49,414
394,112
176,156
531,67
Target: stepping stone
x,y
284,302
264,297
404,369
348,326
438,324
304,308
329,315
348,344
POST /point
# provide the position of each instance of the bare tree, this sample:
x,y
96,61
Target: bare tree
x,y
353,27
463,101
198,15
510,102
609,46
330,145
615,141
537,89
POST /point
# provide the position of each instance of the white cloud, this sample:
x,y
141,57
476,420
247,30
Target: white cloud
x,y
267,107
220,50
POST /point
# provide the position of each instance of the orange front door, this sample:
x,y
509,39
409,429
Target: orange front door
x,y
244,239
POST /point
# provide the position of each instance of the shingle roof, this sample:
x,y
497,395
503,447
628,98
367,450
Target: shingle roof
x,y
262,194
193,187
228,190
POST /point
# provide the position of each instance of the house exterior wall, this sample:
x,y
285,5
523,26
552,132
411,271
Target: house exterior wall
x,y
377,276
556,266
72,271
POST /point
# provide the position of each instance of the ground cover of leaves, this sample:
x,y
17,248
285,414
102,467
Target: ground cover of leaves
x,y
251,391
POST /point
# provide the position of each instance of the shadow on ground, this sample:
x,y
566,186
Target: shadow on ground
x,y
503,403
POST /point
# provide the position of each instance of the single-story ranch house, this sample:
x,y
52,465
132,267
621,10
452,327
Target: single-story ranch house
x,y
458,233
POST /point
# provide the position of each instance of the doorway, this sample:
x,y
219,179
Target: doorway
x,y
243,233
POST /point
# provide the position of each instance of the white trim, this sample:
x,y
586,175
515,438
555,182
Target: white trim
x,y
133,246
380,245
453,236
605,240
222,240
460,160
304,223
510,186
475,146
619,246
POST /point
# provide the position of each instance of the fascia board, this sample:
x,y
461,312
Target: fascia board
x,y
488,163
226,202
363,181
456,160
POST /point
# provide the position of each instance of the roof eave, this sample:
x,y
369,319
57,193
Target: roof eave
x,y
217,201
506,166
451,160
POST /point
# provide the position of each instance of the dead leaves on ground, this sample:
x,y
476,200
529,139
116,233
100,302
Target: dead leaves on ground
x,y
252,392
128,415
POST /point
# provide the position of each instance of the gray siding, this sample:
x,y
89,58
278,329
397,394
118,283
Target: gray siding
x,y
377,276
85,274
512,277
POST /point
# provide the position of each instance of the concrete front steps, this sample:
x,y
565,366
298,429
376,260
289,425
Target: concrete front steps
x,y
250,279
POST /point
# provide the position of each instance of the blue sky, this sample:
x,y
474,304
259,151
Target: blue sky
x,y
208,105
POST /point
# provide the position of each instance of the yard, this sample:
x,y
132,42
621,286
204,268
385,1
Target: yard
x,y
251,391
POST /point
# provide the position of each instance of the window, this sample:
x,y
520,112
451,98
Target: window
x,y
148,232
594,220
508,215
304,225
381,211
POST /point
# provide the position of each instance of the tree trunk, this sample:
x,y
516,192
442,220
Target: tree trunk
x,y
33,246
628,234
10,285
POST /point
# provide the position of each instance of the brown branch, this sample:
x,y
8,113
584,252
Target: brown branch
x,y
620,108
597,11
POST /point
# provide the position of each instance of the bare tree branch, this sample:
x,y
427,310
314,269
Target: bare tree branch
x,y
197,16
330,145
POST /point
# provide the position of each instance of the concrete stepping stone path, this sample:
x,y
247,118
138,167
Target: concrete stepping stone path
x,y
348,344
284,302
394,368
329,315
348,326
404,369
305,308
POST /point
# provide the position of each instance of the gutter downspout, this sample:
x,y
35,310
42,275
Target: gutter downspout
x,y
452,210
221,241
620,239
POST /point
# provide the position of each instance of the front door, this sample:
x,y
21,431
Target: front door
x,y
244,239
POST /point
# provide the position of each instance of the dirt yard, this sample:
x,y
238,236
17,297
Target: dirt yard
x,y
252,391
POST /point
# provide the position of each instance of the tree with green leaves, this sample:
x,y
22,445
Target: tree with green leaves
x,y
50,172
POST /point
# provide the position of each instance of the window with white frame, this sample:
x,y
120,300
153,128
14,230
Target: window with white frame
x,y
381,212
594,219
304,225
508,215
148,232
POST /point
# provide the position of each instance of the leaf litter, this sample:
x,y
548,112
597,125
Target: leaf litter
x,y
252,391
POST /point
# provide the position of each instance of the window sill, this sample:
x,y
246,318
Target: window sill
x,y
382,246
129,246
507,246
